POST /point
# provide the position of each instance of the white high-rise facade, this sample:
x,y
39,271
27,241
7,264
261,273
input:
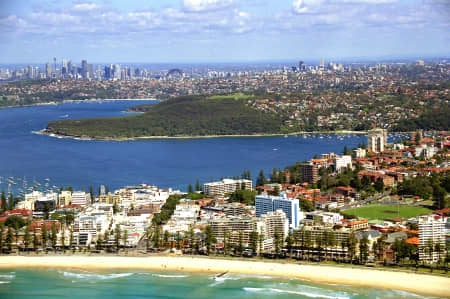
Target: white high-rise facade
x,y
431,232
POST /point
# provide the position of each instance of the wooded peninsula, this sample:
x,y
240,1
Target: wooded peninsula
x,y
178,117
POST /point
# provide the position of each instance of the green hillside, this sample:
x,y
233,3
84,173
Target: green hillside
x,y
183,116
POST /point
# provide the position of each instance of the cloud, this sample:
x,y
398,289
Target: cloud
x,y
205,5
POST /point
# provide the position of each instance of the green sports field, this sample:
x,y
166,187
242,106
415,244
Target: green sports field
x,y
386,211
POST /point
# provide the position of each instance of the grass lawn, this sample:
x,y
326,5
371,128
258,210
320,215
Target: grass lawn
x,y
387,211
236,96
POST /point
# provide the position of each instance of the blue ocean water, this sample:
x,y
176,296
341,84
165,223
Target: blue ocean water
x,y
58,283
166,163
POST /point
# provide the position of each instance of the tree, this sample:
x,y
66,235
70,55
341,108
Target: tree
x,y
26,237
240,247
125,238
166,237
308,242
278,241
44,235
53,236
226,243
261,244
347,151
99,243
351,244
71,238
4,203
198,187
243,196
379,185
63,239
289,243
190,189
156,236
91,192
190,235
254,241
35,241
46,210
438,248
117,237
1,237
115,207
261,180
363,249
306,205
14,221
429,248
148,234
9,238
209,238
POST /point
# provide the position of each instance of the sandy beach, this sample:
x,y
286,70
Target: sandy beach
x,y
430,285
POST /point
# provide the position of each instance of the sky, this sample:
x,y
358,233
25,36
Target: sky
x,y
34,31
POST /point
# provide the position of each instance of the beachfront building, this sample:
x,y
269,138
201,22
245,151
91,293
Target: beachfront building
x,y
185,215
241,228
81,198
377,140
226,186
431,232
290,206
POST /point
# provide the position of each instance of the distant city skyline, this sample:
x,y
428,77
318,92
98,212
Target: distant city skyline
x,y
197,31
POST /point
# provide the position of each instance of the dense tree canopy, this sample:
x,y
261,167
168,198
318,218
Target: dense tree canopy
x,y
183,116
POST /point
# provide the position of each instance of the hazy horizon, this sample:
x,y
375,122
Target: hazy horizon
x,y
222,31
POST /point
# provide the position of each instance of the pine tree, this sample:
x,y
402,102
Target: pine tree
x,y
4,203
190,189
197,186
9,238
261,180
26,237
35,241
44,236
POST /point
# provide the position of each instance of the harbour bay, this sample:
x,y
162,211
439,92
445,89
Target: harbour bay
x,y
163,162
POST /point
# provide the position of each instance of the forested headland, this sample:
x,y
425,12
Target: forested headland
x,y
182,116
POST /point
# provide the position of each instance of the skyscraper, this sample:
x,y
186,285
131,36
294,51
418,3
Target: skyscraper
x,y
63,67
84,69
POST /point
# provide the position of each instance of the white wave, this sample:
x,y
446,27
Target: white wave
x,y
96,276
2,282
7,276
311,295
169,276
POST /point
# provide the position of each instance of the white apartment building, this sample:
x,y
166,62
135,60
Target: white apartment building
x,y
431,231
377,140
226,186
342,162
81,198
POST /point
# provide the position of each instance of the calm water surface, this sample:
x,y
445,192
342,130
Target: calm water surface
x,y
165,163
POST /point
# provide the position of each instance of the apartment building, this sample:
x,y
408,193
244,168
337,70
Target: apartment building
x,y
431,232
226,186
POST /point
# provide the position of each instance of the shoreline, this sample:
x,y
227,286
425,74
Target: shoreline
x,y
76,137
75,101
429,285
